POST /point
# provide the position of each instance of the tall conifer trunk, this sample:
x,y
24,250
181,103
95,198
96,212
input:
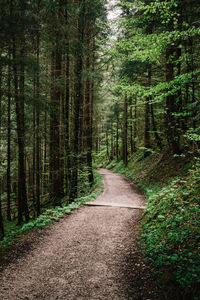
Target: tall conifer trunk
x,y
19,102
125,127
89,110
147,118
135,126
1,217
67,107
54,128
131,126
117,137
154,127
38,120
172,134
78,99
9,140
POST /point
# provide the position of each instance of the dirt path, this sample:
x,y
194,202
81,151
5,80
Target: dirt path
x,y
90,254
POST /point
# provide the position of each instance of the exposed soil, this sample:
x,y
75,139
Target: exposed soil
x,y
91,254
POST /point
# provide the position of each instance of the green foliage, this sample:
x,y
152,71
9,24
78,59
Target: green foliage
x,y
170,231
170,236
101,159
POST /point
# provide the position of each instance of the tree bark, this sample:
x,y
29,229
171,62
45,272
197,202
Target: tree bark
x,y
9,140
125,150
147,144
38,121
1,217
172,134
78,99
54,128
19,101
135,126
67,107
89,111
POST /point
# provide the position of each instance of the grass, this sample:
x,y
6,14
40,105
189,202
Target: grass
x,y
49,215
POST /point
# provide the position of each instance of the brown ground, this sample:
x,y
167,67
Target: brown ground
x,y
91,254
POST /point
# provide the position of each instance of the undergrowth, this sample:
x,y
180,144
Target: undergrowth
x,y
170,236
51,215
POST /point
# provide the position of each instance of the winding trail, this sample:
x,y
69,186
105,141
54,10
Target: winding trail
x,y
91,254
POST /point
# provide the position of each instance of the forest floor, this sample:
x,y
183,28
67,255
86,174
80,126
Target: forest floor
x,y
91,254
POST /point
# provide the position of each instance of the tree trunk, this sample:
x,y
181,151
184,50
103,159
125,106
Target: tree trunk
x,y
1,217
67,108
147,119
172,134
88,111
54,128
154,126
19,101
125,152
38,123
78,100
33,168
9,140
107,142
117,137
131,126
135,127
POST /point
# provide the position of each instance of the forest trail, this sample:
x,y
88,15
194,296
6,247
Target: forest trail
x,y
91,254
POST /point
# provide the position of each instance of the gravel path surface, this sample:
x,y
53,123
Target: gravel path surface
x,y
90,254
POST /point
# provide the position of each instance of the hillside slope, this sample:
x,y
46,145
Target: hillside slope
x,y
170,236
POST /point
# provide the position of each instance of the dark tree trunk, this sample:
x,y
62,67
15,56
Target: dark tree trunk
x,y
131,126
1,217
91,175
125,150
45,177
172,133
67,107
117,137
19,100
54,128
135,126
112,142
9,141
154,126
107,142
88,111
147,119
38,123
1,222
78,100
33,168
